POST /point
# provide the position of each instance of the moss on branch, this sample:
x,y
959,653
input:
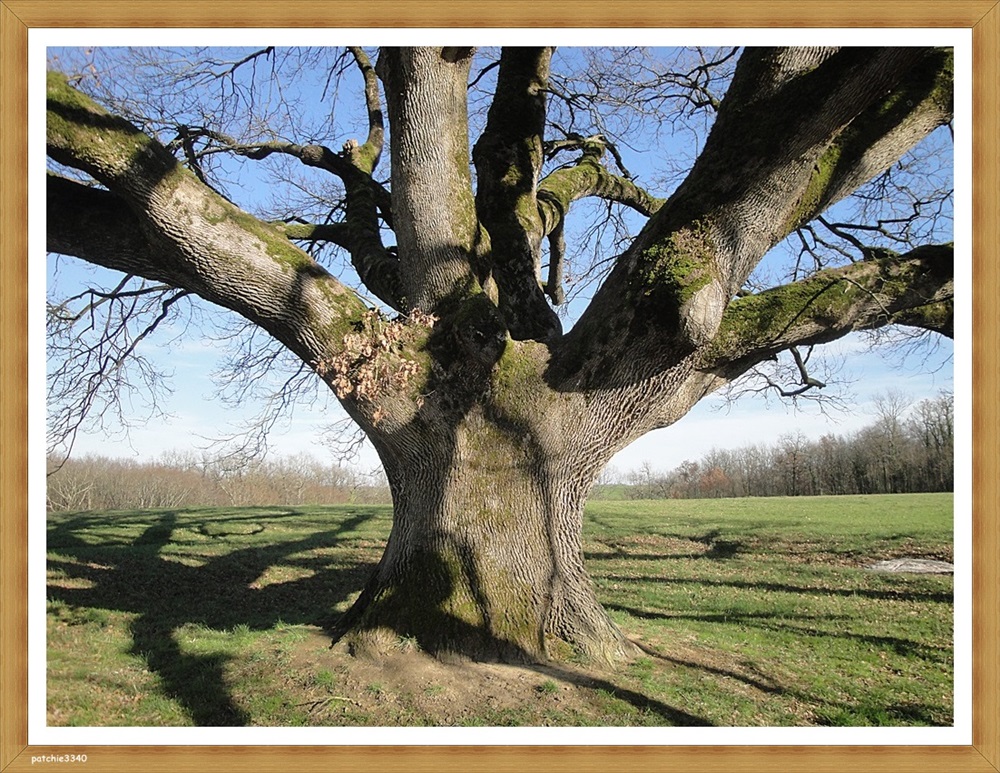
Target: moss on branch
x,y
925,94
588,177
672,283
204,243
82,134
913,289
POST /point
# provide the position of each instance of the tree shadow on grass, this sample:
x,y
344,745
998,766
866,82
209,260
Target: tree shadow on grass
x,y
717,549
828,712
763,682
671,715
943,597
165,595
784,623
137,575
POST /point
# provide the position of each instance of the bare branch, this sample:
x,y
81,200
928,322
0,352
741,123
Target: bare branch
x,y
97,372
807,380
313,155
232,68
366,156
779,377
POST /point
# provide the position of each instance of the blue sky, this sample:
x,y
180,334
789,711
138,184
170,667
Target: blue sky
x,y
195,415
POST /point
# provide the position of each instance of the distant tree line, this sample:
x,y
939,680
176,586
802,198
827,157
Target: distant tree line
x,y
908,448
192,480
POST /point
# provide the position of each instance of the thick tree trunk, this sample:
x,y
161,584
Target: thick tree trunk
x,y
483,566
485,559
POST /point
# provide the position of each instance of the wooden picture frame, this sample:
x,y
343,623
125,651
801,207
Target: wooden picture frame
x,y
981,16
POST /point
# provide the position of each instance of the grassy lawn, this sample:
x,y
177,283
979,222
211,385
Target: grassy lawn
x,y
751,612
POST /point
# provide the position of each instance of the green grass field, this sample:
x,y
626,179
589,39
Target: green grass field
x,y
752,612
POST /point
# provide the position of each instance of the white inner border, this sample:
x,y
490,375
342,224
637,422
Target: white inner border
x,y
41,734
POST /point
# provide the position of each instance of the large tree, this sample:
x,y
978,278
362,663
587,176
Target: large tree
x,y
491,422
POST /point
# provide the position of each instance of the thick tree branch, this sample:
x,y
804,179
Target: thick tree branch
x,y
377,266
589,177
365,198
335,233
366,156
97,226
438,234
557,258
756,176
314,155
911,289
508,158
919,103
343,165
158,221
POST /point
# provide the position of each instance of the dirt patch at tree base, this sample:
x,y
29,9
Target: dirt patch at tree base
x,y
411,688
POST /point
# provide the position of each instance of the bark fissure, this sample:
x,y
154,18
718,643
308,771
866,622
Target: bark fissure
x,y
488,502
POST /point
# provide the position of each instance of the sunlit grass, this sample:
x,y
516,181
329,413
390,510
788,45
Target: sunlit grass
x,y
751,612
